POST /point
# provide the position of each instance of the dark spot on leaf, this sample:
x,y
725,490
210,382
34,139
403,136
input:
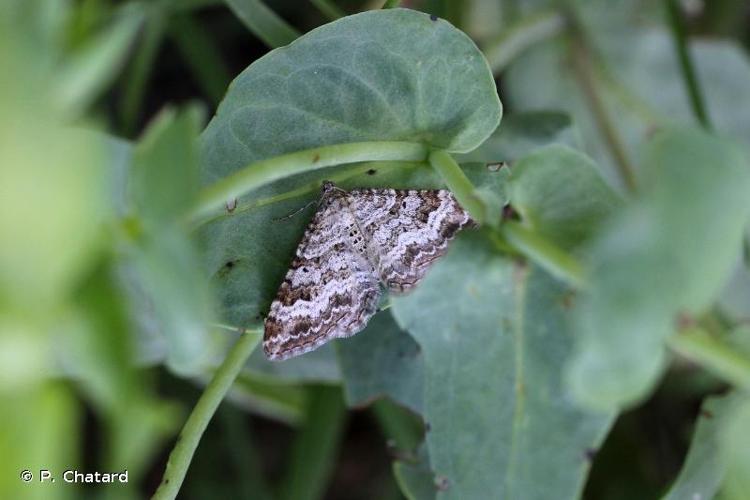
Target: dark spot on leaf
x,y
706,413
372,171
442,483
589,454
567,299
684,321
509,213
427,427
166,481
224,271
433,17
316,158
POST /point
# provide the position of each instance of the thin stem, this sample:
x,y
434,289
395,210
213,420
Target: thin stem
x,y
316,446
263,22
329,9
140,71
584,74
686,64
713,355
456,180
202,56
524,34
306,189
266,171
547,255
187,441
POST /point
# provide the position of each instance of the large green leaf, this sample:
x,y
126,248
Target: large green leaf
x,y
664,257
560,193
383,360
636,73
163,182
522,133
381,75
735,452
704,467
495,335
248,251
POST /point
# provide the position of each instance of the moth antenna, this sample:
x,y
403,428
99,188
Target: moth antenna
x,y
289,216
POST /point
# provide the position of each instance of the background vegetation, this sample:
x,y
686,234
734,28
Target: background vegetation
x,y
591,340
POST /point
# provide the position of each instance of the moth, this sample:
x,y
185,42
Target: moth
x,y
358,244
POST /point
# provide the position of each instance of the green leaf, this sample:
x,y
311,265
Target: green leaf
x,y
95,66
163,183
169,272
320,366
275,399
665,256
704,468
316,446
382,360
402,429
560,194
495,336
637,75
415,478
263,22
735,299
164,177
386,75
727,358
55,174
735,452
523,133
201,53
248,251
40,430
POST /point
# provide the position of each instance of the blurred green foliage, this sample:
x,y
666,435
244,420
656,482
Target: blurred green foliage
x,y
610,278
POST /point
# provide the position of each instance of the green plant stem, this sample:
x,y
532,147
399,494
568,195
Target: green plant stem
x,y
201,54
713,355
456,180
306,189
522,35
93,68
329,9
316,445
398,424
182,453
550,257
263,22
272,169
582,69
686,64
247,465
153,34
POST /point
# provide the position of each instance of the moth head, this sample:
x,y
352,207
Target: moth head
x,y
329,187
